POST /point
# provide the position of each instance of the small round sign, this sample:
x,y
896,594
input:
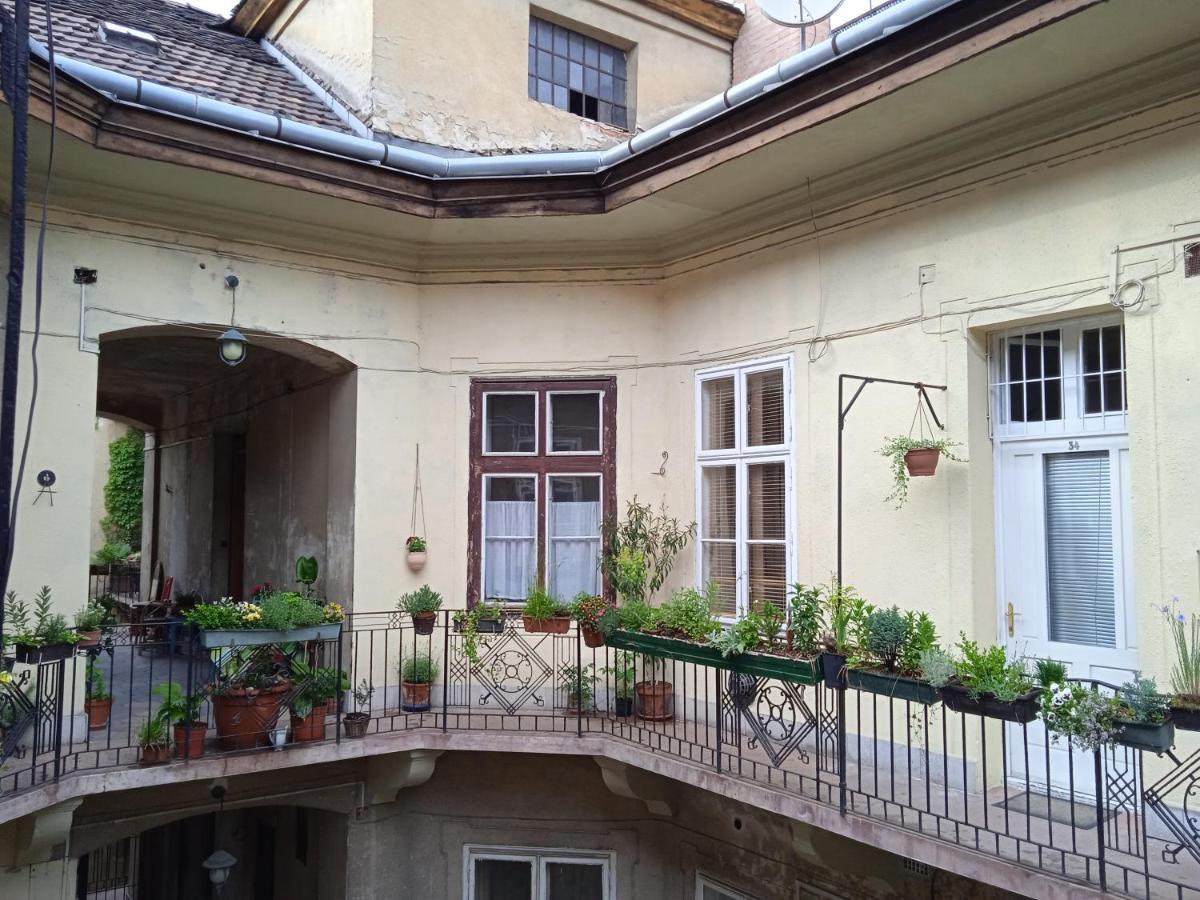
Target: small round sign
x,y
46,478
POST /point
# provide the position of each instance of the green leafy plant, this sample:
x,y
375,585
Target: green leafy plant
x,y
807,619
887,632
991,671
177,706
1185,673
420,668
937,666
17,613
91,617
740,637
306,574
215,616
639,552
467,621
846,615
415,544
423,600
895,448
922,636
1141,701
287,610
638,615
363,693
315,685
579,685
122,523
1049,672
97,687
112,552
624,673
768,619
539,604
153,733
689,613
45,628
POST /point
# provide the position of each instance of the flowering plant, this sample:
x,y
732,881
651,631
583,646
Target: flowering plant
x,y
260,590
1082,714
1185,675
334,612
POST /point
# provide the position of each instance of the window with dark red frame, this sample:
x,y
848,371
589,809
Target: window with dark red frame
x,y
543,479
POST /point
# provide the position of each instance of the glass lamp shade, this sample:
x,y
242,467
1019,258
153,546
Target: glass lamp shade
x,y
231,346
219,865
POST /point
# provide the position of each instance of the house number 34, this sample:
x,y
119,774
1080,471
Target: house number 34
x,y
1072,445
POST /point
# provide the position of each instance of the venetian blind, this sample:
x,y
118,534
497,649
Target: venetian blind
x,y
718,535
764,408
1080,574
766,510
719,412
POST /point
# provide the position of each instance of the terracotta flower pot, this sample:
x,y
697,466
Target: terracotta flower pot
x,y
922,462
416,560
88,638
189,740
311,727
591,637
423,622
245,718
356,724
655,700
552,625
98,712
414,696
156,754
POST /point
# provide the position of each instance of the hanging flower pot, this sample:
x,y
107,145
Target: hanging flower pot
x,y
417,550
922,462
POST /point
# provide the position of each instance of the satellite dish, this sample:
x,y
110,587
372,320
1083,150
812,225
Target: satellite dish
x,y
797,13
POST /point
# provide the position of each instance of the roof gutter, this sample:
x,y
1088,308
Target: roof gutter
x,y
133,89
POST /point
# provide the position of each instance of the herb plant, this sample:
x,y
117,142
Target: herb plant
x,y
415,544
362,696
287,610
97,687
540,605
1142,702
740,637
578,683
1049,672
91,617
990,671
768,619
689,613
420,668
638,615
423,600
895,449
807,617
937,666
152,733
887,636
315,685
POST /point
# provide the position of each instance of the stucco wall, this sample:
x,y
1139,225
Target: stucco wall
x,y
417,69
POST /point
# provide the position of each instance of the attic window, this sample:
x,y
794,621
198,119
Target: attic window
x,y
576,73
129,38
1191,260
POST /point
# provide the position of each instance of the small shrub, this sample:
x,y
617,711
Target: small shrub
x,y
287,610
740,637
91,617
420,668
423,600
887,634
990,671
1142,701
689,612
937,666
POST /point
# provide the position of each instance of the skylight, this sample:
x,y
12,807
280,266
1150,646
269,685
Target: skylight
x,y
129,38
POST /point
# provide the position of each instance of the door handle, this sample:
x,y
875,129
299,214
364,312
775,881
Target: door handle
x,y
1010,615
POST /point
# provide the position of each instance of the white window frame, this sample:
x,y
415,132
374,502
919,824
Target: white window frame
x,y
1074,420
742,456
550,425
483,436
703,881
483,537
538,858
545,562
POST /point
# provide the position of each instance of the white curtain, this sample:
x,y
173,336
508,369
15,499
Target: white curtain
x,y
574,533
510,548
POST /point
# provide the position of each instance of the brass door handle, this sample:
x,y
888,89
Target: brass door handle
x,y
1010,616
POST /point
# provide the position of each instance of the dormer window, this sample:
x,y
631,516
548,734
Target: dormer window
x,y
577,73
129,38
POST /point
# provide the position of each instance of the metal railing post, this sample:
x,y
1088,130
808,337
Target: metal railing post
x,y
841,739
1100,823
578,683
446,672
720,715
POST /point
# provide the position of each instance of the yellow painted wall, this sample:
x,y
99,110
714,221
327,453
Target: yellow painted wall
x,y
454,73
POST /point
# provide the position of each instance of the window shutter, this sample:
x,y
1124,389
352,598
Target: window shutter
x,y
1079,549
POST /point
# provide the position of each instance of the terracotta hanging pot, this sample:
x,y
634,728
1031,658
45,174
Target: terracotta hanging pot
x,y
591,636
922,462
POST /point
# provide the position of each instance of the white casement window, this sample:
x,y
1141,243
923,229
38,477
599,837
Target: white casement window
x,y
744,482
707,889
537,873
1059,378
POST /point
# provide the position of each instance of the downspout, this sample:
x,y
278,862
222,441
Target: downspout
x,y
137,90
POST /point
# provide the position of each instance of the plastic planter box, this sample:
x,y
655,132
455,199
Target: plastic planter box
x,y
1022,710
762,665
898,687
253,637
1154,738
31,655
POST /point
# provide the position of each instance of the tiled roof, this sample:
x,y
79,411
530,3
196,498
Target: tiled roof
x,y
193,54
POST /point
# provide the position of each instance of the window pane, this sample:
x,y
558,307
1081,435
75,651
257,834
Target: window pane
x,y
574,881
1079,549
575,423
510,537
720,502
573,529
511,423
1091,350
503,879
764,408
766,502
720,566
716,398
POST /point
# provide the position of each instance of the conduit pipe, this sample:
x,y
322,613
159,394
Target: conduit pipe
x,y
132,89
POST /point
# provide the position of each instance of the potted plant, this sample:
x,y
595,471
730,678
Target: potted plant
x,y
47,638
543,614
913,457
417,675
594,615
98,700
655,695
356,722
153,740
624,674
482,618
889,662
846,618
1144,717
277,617
422,605
183,711
248,698
579,684
1076,711
1185,674
88,622
417,550
315,686
988,683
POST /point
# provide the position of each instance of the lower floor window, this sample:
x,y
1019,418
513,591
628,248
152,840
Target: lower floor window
x,y
707,889
517,873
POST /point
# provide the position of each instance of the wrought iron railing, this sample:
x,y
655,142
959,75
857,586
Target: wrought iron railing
x,y
1119,818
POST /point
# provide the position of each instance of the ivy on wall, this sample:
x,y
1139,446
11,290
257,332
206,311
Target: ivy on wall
x,y
122,523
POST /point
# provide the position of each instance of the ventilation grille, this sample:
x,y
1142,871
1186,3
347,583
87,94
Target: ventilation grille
x,y
918,869
1191,260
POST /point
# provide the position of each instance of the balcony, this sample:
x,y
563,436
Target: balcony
x,y
938,785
